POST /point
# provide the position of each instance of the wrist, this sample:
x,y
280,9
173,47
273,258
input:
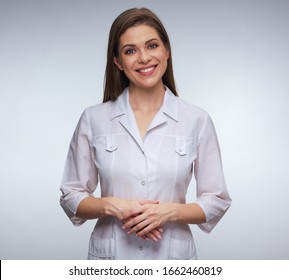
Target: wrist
x,y
173,212
169,212
108,206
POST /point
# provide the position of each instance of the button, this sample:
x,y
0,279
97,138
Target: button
x,y
140,247
180,150
112,146
143,182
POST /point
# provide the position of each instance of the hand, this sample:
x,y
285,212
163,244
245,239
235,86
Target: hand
x,y
155,234
118,206
146,218
115,206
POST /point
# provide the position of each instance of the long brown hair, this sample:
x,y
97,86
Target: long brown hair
x,y
115,80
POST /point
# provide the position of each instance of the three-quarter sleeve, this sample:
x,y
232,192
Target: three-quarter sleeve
x,y
212,194
80,175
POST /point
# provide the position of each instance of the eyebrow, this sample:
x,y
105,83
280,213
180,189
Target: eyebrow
x,y
147,42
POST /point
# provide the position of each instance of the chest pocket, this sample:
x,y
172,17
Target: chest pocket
x,y
110,144
181,146
186,153
105,148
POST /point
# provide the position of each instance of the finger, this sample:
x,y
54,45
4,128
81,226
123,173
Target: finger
x,y
154,235
127,220
145,237
128,215
145,230
160,229
139,227
151,236
131,223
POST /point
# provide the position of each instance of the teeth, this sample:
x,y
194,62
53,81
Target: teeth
x,y
146,70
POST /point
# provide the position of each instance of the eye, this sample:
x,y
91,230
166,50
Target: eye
x,y
129,51
153,46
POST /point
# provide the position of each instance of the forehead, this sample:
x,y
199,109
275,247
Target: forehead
x,y
138,34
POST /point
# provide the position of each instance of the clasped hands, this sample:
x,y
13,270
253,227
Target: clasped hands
x,y
145,220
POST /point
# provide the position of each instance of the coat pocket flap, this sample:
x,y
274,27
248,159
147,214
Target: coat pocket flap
x,y
181,146
110,144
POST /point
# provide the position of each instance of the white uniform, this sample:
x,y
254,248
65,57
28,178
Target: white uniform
x,y
107,147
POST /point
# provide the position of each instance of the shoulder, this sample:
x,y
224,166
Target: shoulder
x,y
107,110
196,121
101,108
100,112
93,118
188,110
100,117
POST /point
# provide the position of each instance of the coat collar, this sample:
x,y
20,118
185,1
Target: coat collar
x,y
170,105
122,111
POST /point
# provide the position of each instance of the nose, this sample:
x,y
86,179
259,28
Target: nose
x,y
144,57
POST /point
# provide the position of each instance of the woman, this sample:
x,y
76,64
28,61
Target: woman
x,y
143,144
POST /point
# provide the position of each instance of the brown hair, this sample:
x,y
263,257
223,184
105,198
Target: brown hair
x,y
115,80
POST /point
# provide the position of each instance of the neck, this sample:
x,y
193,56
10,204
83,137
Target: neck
x,y
146,99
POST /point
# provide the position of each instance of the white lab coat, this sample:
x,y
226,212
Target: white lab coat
x,y
107,147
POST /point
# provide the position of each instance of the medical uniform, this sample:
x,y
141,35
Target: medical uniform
x,y
107,148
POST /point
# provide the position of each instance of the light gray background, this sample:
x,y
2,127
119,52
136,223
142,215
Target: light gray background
x,y
230,58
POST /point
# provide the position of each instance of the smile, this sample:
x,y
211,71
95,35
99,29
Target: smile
x,y
147,70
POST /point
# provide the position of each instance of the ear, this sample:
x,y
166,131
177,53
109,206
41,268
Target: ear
x,y
118,63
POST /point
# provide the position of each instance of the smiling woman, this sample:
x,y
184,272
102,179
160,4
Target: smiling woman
x,y
143,58
116,81
143,144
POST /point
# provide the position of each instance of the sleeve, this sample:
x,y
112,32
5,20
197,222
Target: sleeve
x,y
212,194
80,175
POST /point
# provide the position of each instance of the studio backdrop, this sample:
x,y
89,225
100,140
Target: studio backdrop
x,y
230,57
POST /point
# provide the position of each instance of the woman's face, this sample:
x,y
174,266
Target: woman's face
x,y
143,57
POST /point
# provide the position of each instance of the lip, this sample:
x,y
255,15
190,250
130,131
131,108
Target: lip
x,y
148,70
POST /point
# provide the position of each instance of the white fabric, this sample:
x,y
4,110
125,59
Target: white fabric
x,y
107,147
